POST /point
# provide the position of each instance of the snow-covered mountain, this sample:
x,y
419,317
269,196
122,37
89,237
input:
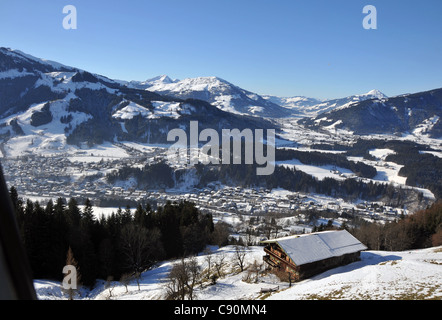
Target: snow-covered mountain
x,y
45,104
216,91
48,105
231,98
417,113
156,82
310,107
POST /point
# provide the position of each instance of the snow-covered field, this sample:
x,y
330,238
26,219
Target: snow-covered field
x,y
319,172
380,275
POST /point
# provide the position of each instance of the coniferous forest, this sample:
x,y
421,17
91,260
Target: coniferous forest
x,y
122,244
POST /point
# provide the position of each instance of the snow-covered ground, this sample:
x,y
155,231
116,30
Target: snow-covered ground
x,y
319,172
380,275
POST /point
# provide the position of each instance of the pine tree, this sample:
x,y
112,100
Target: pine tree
x,y
49,210
88,220
126,216
73,213
88,211
140,216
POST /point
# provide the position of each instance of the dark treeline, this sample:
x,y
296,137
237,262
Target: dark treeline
x,y
295,180
120,244
421,169
422,229
151,176
42,117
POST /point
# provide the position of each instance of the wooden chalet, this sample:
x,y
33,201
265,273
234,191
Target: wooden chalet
x,y
306,255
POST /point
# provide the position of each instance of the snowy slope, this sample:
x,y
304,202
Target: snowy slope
x,y
231,98
156,82
45,139
379,275
310,107
319,172
89,109
216,91
417,114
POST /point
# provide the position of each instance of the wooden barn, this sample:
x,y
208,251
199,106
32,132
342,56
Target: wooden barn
x,y
309,254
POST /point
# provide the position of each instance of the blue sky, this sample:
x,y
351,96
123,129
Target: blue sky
x,y
316,48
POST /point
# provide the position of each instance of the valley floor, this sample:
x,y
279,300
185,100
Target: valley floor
x,y
380,275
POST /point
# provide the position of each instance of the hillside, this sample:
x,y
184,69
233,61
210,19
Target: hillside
x,y
417,113
304,107
48,107
380,275
231,98
218,92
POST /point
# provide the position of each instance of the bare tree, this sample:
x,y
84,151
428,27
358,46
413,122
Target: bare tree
x,y
267,228
209,259
255,269
249,236
175,287
271,226
183,278
125,280
240,256
140,248
134,243
194,275
219,263
110,286
221,233
436,239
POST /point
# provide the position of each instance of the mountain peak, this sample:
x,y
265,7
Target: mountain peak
x,y
161,79
376,93
206,80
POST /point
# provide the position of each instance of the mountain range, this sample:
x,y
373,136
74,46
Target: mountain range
x,y
310,107
216,91
45,104
418,113
54,105
231,98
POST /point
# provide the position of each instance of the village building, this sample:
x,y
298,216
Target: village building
x,y
303,256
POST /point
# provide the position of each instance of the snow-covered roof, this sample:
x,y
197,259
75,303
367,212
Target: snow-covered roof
x,y
307,248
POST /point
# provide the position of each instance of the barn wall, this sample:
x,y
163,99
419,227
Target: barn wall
x,y
282,262
311,269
